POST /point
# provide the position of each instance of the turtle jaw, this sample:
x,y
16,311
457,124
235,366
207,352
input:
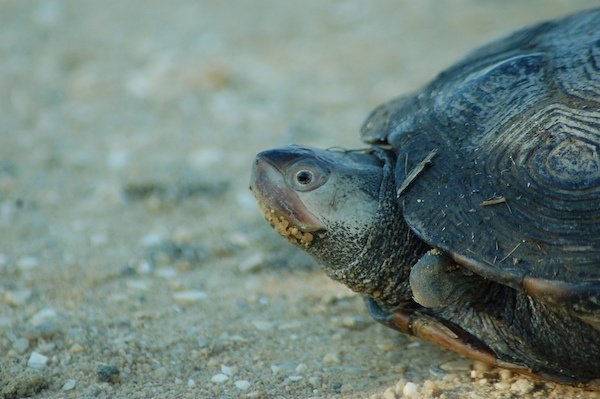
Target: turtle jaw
x,y
280,205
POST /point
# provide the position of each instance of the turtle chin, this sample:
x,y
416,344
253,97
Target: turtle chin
x,y
293,233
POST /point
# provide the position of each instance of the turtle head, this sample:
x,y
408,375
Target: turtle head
x,y
311,196
338,206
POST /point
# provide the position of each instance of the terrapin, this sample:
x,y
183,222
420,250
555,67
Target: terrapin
x,y
473,220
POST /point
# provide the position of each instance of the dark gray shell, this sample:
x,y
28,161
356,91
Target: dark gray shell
x,y
518,122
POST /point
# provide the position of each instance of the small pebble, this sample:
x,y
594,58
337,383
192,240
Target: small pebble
x,y
252,264
410,390
314,381
76,348
457,365
37,361
400,386
191,383
505,375
166,272
347,389
43,316
301,368
17,298
430,386
331,359
187,297
522,386
219,378
226,370
389,394
502,386
295,378
20,345
138,285
108,374
290,326
68,385
242,384
161,373
481,366
28,262
263,325
356,323
44,331
152,240
47,347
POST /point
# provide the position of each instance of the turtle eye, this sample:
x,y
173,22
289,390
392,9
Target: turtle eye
x,y
304,177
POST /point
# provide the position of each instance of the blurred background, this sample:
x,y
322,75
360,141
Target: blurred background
x,y
127,232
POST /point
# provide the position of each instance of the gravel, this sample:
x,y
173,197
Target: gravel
x,y
134,260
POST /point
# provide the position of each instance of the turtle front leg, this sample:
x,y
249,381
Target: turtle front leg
x,y
437,281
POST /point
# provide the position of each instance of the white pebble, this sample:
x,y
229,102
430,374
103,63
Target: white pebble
x,y
263,325
347,389
356,323
410,390
191,383
143,267
226,370
166,272
242,384
191,296
28,262
20,345
17,298
522,386
481,366
389,394
502,386
37,361
295,378
43,316
505,375
400,386
161,373
118,158
457,365
331,358
301,368
139,285
68,385
151,240
219,378
46,347
252,264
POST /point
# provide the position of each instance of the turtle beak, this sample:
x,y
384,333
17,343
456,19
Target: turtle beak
x,y
268,184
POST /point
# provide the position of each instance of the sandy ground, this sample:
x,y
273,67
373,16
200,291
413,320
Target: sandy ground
x,y
134,261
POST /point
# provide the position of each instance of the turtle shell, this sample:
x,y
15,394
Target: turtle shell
x,y
513,191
